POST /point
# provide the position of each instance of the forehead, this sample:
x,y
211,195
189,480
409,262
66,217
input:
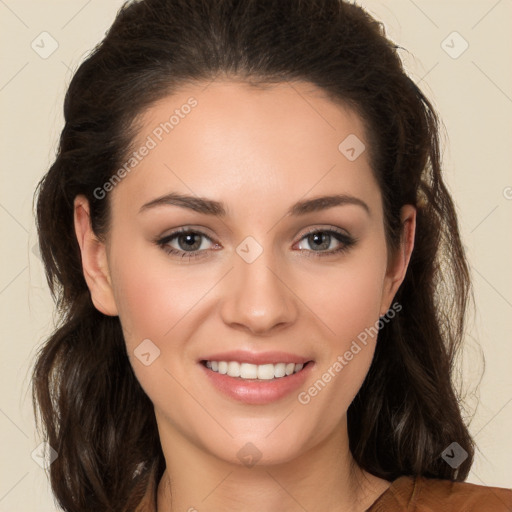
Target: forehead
x,y
253,145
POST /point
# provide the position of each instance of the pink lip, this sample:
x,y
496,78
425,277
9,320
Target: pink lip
x,y
257,392
242,356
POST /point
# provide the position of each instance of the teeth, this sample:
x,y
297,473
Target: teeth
x,y
280,370
248,371
254,371
223,367
265,371
233,369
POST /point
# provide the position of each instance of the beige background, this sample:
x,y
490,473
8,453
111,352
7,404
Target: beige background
x,y
473,93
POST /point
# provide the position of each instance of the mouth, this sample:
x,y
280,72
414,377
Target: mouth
x,y
255,372
260,381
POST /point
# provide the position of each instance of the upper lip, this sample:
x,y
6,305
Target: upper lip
x,y
243,356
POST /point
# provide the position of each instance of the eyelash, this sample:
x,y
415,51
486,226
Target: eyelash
x,y
346,243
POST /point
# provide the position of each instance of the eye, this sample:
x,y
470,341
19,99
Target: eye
x,y
321,239
190,243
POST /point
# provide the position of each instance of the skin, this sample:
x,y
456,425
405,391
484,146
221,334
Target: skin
x,y
257,151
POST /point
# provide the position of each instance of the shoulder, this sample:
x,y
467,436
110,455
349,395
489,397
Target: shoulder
x,y
421,494
461,496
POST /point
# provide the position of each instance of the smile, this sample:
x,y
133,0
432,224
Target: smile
x,y
254,371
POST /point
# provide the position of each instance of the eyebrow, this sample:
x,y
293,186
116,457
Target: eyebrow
x,y
217,208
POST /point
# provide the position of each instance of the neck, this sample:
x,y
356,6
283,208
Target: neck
x,y
324,478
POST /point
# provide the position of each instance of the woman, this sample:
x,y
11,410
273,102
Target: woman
x,y
244,229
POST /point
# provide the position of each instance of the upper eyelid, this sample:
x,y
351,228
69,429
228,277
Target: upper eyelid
x,y
184,231
181,231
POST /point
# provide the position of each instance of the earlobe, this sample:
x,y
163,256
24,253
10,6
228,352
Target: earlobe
x,y
94,259
398,268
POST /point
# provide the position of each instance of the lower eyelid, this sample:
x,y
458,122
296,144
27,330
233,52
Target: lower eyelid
x,y
166,240
345,240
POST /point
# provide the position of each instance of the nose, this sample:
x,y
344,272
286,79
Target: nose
x,y
257,296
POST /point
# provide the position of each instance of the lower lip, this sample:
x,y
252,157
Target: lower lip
x,y
257,392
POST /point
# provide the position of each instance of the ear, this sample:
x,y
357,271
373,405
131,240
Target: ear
x,y
94,259
397,267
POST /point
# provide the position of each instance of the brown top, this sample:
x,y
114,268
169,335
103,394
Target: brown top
x,y
420,494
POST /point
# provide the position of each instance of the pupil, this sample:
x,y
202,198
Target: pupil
x,y
190,240
317,237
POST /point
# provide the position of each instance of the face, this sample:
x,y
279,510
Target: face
x,y
249,269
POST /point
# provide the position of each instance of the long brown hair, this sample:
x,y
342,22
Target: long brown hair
x,y
92,410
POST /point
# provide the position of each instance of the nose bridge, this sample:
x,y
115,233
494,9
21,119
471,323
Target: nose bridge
x,y
257,296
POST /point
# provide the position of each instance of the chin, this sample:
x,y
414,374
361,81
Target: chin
x,y
262,450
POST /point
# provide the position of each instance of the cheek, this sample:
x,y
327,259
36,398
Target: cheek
x,y
346,296
347,300
152,296
154,303
356,302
